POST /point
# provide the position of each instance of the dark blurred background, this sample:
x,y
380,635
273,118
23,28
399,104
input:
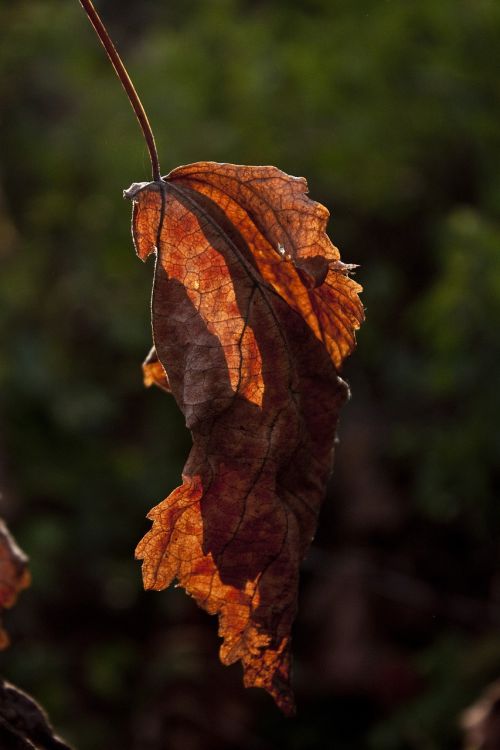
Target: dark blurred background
x,y
391,109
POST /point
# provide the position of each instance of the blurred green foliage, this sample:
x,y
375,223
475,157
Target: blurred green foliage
x,y
391,109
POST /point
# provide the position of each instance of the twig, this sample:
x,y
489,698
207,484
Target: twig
x,y
127,84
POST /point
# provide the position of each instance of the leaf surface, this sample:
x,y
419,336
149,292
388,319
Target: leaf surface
x,y
253,313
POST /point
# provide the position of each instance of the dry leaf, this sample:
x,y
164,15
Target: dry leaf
x,y
14,575
253,314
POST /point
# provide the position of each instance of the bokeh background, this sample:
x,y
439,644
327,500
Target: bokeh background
x,y
391,108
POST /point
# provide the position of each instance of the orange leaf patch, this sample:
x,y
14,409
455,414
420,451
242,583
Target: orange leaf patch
x,y
253,313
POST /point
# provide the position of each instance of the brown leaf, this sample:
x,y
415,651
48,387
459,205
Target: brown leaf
x,y
14,575
253,314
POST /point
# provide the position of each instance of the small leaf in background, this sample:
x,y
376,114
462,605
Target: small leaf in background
x,y
253,314
24,725
481,721
14,575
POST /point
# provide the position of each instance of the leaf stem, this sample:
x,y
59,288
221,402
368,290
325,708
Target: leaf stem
x,y
127,84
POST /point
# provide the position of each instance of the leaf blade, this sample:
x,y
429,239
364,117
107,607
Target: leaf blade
x,y
251,357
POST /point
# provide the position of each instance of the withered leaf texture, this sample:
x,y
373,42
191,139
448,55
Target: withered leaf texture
x,y
14,575
253,313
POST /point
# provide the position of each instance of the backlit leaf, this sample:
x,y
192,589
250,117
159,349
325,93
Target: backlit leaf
x,y
253,313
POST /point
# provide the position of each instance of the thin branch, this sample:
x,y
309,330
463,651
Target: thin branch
x,y
127,84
